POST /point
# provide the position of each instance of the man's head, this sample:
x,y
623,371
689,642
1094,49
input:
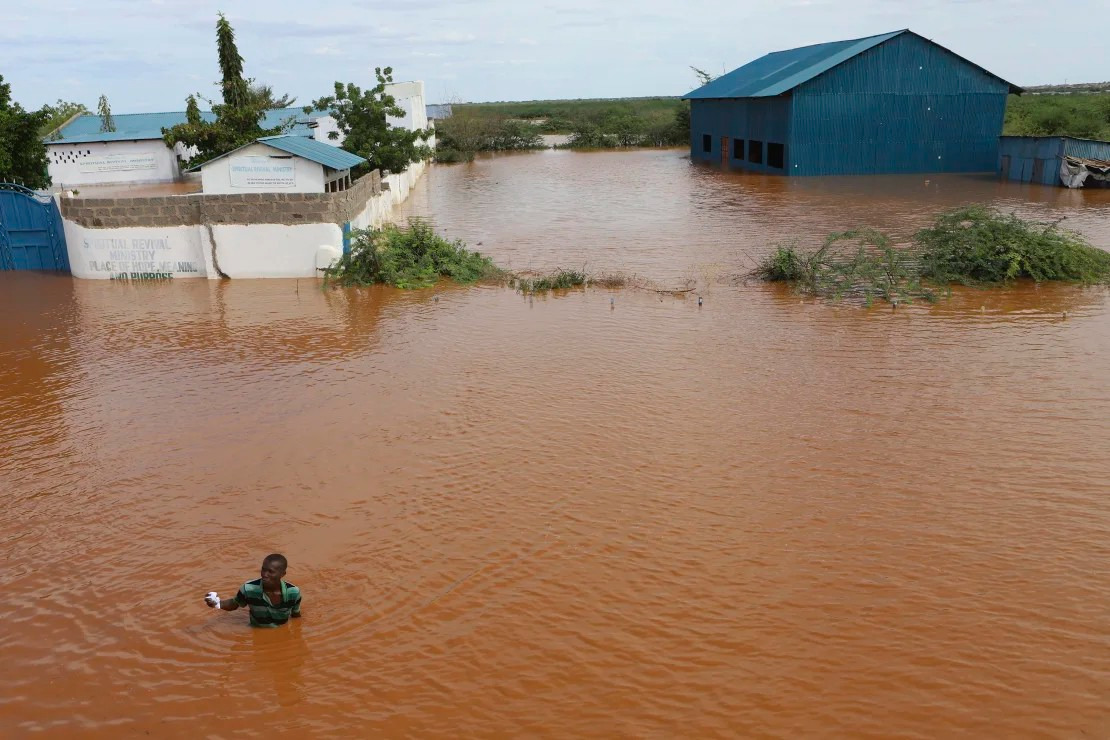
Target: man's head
x,y
273,570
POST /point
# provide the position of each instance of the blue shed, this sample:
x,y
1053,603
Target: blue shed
x,y
894,103
1054,160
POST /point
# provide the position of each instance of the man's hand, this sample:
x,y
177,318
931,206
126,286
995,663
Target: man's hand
x,y
212,599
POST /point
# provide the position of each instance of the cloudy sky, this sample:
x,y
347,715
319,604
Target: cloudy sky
x,y
147,55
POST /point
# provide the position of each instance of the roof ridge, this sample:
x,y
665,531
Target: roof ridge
x,y
891,34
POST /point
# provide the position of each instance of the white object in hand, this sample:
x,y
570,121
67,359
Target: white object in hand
x,y
213,599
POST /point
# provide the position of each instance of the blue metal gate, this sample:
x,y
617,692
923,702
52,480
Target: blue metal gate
x,y
31,234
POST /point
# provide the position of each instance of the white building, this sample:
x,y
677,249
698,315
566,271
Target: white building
x,y
81,154
280,164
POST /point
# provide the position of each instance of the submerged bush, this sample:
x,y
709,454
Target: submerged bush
x,y
558,280
782,265
408,257
860,263
971,245
565,279
977,244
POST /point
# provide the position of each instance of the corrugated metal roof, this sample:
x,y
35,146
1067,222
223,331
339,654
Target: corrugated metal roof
x,y
300,146
142,126
781,71
317,151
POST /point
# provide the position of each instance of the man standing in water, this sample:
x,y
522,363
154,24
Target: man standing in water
x,y
271,599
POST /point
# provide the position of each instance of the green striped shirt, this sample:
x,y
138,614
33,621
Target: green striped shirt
x,y
263,613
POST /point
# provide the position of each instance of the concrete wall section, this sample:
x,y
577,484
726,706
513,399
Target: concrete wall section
x,y
401,184
252,235
410,99
106,162
135,253
272,251
221,177
234,251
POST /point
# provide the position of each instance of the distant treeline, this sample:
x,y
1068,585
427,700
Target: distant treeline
x,y
476,127
1084,115
589,124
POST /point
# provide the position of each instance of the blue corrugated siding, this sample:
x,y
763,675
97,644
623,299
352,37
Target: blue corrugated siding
x,y
1018,158
762,119
1037,158
1087,148
904,106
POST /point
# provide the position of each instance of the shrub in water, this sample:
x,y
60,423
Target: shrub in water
x,y
971,245
977,244
408,257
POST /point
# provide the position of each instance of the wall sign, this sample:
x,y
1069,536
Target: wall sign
x,y
123,162
121,257
263,172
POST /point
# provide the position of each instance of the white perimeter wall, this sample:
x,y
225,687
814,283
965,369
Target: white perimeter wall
x,y
106,162
160,253
216,176
410,98
241,251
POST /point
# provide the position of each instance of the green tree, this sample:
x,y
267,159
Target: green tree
x,y
361,117
107,123
263,96
233,87
238,117
58,114
22,150
192,111
704,78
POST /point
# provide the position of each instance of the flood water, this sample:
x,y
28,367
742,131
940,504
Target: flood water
x,y
596,514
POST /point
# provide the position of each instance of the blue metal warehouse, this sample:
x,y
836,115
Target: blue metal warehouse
x,y
894,103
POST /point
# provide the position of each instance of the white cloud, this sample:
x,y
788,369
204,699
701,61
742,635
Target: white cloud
x,y
155,52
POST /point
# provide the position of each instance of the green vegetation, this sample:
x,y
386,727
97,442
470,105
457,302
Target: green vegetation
x,y
467,132
107,123
361,117
409,257
58,114
592,123
980,245
862,263
564,280
414,256
558,280
974,245
1086,116
238,117
22,151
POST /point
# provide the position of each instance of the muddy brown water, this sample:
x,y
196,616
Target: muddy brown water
x,y
566,516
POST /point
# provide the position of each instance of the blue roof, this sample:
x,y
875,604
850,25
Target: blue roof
x,y
141,126
317,151
304,147
782,71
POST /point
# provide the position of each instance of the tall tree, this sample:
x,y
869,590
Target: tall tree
x,y
361,117
238,117
233,86
107,123
192,111
22,150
